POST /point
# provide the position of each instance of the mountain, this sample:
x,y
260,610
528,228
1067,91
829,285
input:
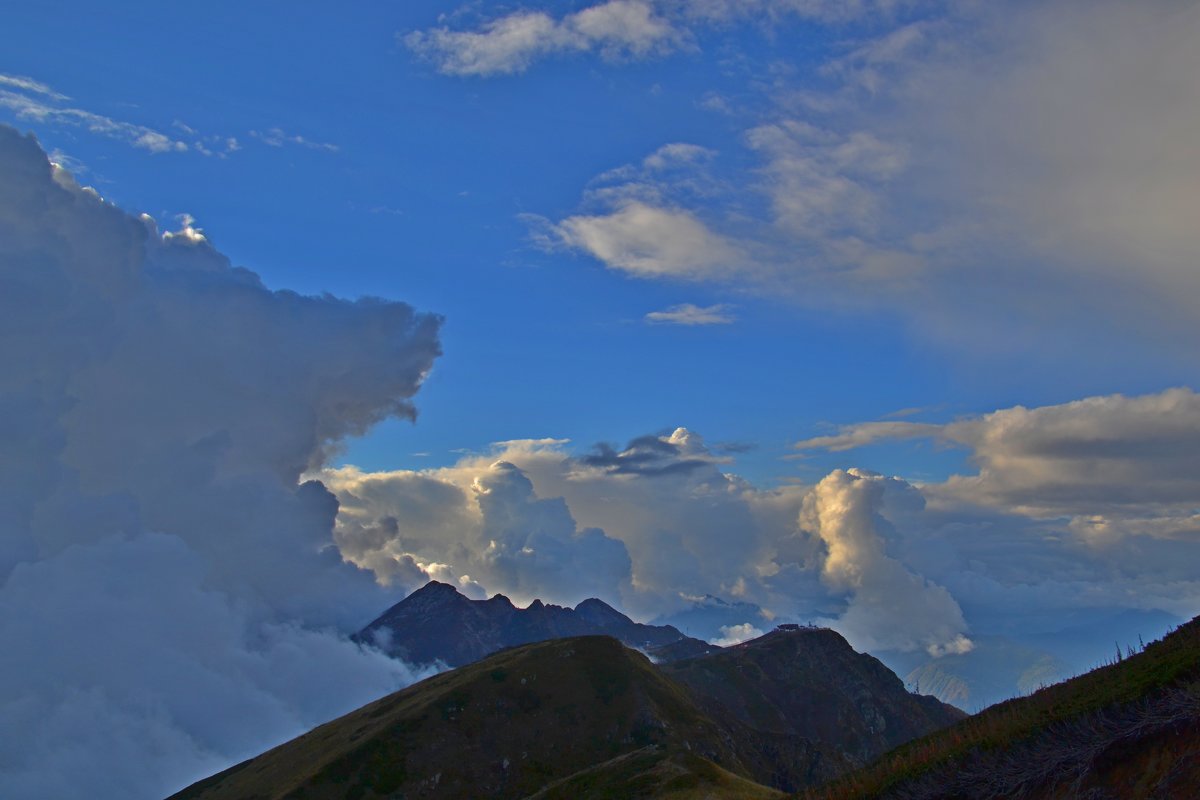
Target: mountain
x,y
437,623
1130,729
810,682
588,717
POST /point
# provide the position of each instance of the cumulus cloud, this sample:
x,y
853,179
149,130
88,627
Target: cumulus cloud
x,y
163,570
690,314
480,526
654,521
509,44
890,607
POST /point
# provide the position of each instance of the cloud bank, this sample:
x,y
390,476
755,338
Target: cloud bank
x,y
1075,511
170,593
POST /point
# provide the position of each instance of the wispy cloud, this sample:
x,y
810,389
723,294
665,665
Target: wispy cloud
x,y
689,314
33,101
39,108
276,137
30,85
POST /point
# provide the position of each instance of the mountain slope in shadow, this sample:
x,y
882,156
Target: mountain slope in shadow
x,y
1130,729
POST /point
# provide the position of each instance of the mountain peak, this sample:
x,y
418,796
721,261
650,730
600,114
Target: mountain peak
x,y
601,613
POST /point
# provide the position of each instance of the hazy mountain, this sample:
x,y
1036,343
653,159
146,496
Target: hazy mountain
x,y
437,623
588,717
1130,729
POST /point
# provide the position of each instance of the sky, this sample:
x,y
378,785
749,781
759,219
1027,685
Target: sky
x,y
876,313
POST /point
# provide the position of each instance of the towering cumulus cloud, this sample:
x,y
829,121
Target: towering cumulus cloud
x,y
890,607
170,594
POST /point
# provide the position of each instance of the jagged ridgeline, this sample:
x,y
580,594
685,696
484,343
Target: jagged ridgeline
x,y
1130,729
588,717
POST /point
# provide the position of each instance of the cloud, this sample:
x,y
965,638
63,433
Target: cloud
x,y
689,314
890,564
163,570
649,241
30,85
890,607
39,109
276,137
736,634
1109,455
938,164
481,525
32,101
616,29
866,433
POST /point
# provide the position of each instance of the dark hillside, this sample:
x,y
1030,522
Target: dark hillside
x,y
1127,730
809,682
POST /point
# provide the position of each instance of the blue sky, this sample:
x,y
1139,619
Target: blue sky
x,y
415,184
877,313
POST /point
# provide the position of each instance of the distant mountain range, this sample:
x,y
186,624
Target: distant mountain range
x,y
438,624
588,717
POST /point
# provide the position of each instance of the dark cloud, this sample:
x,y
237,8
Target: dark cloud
x,y
648,456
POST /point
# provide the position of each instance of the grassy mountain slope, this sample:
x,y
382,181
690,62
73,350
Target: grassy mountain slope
x,y
1127,730
504,727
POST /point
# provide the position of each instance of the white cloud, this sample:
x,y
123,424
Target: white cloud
x,y
163,573
616,29
650,241
890,607
689,314
30,85
736,634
